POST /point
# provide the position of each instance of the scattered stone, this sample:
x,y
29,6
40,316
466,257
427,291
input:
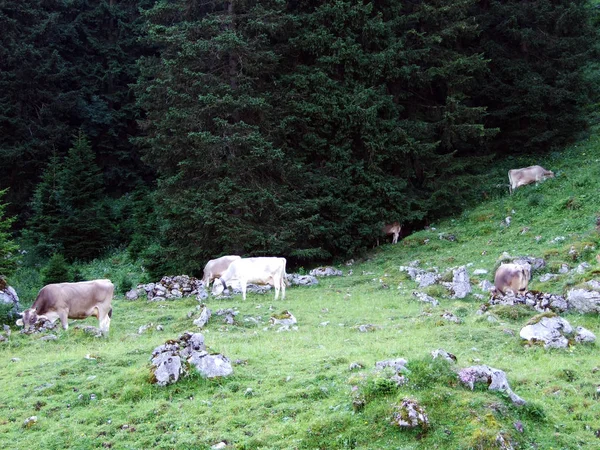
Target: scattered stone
x,y
42,325
450,317
558,239
324,324
564,268
547,277
9,298
132,294
49,337
219,446
425,298
397,364
229,314
249,392
29,422
549,330
367,328
460,285
583,335
356,366
441,353
503,442
295,279
409,414
583,300
480,272
581,268
159,328
593,284
423,277
285,318
170,288
205,314
15,359
143,328
540,301
494,378
89,329
485,286
326,272
174,359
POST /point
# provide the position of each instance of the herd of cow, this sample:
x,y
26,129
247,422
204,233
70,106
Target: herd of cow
x,y
93,298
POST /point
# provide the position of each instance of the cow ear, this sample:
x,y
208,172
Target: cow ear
x,y
19,322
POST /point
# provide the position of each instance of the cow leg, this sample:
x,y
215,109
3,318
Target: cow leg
x,y
395,240
243,289
104,321
64,320
283,288
277,286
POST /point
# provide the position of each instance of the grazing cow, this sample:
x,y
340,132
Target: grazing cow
x,y
264,270
217,267
512,277
527,175
391,229
72,301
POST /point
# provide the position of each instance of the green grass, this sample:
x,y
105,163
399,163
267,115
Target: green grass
x,y
303,392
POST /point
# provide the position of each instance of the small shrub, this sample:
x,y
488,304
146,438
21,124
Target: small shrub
x,y
511,312
533,411
56,271
535,200
125,284
567,375
426,373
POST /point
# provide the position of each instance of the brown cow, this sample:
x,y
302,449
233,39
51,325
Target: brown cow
x,y
217,267
391,229
72,301
512,277
527,175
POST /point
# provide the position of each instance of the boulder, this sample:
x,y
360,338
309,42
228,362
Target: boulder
x,y
450,317
423,277
485,286
425,298
286,318
583,301
174,360
547,277
495,379
132,294
229,314
409,414
9,298
211,365
441,353
460,285
549,330
583,335
205,314
326,272
295,279
540,301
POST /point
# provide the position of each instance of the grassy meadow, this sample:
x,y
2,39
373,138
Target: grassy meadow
x,y
294,389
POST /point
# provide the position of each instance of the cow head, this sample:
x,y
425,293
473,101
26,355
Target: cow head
x,y
28,319
219,286
527,272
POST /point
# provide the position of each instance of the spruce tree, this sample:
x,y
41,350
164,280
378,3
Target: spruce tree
x,y
8,247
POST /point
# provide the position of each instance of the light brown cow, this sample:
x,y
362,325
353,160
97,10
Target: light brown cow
x,y
217,267
527,175
512,277
391,229
72,301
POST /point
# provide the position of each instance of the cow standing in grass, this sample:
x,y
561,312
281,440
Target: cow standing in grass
x,y
216,267
263,270
72,301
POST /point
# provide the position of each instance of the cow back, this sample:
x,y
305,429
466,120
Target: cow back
x,y
75,298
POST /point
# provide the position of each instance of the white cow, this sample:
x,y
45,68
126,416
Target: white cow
x,y
217,267
263,270
527,175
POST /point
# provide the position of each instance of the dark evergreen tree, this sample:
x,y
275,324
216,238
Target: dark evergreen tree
x,y
538,87
56,271
8,248
70,214
67,65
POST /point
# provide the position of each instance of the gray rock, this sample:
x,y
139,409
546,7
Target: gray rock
x,y
205,314
495,379
409,414
286,318
485,286
367,328
550,330
49,337
326,272
583,301
593,284
211,366
564,268
540,301
423,277
583,335
9,297
441,353
132,294
301,280
167,368
547,277
450,317
480,272
425,298
581,268
397,364
356,366
460,285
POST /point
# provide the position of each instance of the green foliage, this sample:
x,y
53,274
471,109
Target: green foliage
x,y
57,270
8,248
70,214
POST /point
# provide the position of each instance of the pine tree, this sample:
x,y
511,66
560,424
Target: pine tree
x,y
8,248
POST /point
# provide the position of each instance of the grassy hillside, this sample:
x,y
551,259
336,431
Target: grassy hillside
x,y
94,393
